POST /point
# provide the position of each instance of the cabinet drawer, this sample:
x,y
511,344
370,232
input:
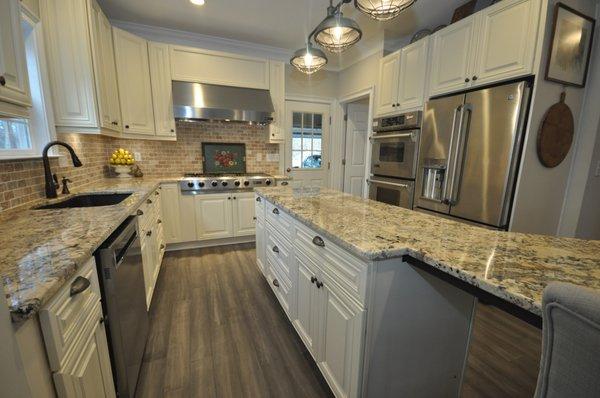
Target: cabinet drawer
x,y
346,270
280,286
259,207
282,222
64,317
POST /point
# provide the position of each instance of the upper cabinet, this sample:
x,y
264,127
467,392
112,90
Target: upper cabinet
x,y
497,43
203,66
14,84
402,77
277,88
160,76
80,66
135,89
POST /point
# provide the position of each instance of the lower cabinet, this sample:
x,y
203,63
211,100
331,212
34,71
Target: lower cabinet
x,y
260,244
224,215
152,240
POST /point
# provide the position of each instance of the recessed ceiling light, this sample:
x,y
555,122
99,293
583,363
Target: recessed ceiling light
x,y
197,2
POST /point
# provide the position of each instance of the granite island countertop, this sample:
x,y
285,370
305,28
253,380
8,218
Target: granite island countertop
x,y
512,266
43,249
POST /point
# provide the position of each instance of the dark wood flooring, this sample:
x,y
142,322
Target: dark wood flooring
x,y
217,331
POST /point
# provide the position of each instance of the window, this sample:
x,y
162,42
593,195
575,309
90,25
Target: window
x,y
307,140
14,134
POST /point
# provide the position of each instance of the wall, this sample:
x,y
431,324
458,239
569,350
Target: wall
x,y
541,191
589,218
360,76
323,84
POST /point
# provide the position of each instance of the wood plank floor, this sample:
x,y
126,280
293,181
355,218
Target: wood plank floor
x,y
217,331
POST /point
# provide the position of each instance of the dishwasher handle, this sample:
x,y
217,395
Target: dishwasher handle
x,y
121,254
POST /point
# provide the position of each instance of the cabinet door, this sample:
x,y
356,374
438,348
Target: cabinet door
x,y
70,68
387,89
213,216
243,214
148,265
277,88
162,96
413,72
341,350
187,218
452,57
170,212
104,67
133,76
14,84
308,305
507,40
260,245
89,374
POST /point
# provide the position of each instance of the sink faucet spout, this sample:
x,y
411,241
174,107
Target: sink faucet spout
x,y
51,185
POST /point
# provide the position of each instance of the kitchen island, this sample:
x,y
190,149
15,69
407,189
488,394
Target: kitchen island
x,y
412,281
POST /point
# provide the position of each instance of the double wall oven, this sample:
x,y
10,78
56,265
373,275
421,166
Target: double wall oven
x,y
395,146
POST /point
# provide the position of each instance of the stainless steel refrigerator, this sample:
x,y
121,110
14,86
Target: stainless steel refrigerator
x,y
469,153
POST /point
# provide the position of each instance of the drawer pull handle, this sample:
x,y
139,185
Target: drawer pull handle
x,y
258,200
284,183
79,285
275,283
317,240
319,284
275,249
157,193
275,211
313,279
162,246
140,213
149,201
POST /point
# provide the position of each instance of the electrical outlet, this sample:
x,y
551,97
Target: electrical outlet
x,y
137,156
598,169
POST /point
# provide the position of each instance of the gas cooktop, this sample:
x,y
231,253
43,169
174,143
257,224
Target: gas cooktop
x,y
195,183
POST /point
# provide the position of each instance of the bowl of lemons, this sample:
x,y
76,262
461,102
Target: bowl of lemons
x,y
121,161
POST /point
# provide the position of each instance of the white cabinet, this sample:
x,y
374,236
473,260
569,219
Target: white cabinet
x,y
387,89
160,74
308,303
402,79
213,216
105,71
497,43
14,83
170,211
187,218
133,75
152,240
277,88
244,219
213,67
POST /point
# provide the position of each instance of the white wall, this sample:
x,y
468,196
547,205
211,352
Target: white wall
x,y
322,84
359,76
589,218
541,192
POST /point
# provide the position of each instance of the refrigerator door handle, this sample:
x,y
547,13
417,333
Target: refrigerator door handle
x,y
447,180
463,132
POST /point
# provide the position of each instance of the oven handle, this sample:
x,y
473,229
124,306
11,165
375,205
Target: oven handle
x,y
393,184
401,135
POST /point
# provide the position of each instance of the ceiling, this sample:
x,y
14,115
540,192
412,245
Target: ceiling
x,y
282,24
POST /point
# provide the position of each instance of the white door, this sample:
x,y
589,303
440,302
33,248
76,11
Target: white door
x,y
453,49
170,211
507,39
387,89
260,245
308,303
133,72
307,143
413,72
14,84
356,148
162,97
213,216
243,214
104,66
342,325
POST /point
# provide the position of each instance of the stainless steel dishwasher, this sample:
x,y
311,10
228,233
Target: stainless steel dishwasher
x,y
121,273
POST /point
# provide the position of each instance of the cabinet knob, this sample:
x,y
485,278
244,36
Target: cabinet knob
x,y
2,81
475,78
149,233
149,201
275,211
159,221
467,80
140,213
229,198
317,240
275,249
126,126
319,284
393,105
254,218
162,246
275,283
313,279
234,198
157,193
80,284
172,130
259,200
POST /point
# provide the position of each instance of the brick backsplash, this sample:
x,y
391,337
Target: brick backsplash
x,y
22,181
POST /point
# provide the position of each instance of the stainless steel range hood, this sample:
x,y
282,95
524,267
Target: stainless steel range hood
x,y
196,101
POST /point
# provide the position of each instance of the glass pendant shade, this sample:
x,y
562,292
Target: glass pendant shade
x,y
337,33
308,60
383,10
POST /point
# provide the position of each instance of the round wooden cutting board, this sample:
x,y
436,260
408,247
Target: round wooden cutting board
x,y
556,134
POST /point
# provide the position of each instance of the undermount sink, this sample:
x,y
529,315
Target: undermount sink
x,y
88,200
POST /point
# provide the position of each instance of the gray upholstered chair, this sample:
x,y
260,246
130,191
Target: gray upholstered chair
x,y
570,365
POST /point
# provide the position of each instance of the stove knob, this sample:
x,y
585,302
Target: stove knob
x,y
237,183
190,184
201,184
246,183
214,183
224,183
268,182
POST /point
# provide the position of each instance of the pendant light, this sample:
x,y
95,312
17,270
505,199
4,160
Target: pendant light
x,y
383,10
308,60
336,33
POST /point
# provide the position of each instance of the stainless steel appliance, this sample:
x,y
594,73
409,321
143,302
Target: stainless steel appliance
x,y
395,145
197,101
469,153
198,183
119,262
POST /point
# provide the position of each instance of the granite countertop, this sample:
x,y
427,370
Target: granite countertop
x,y
42,249
512,266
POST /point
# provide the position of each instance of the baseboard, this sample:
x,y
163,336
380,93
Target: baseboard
x,y
209,243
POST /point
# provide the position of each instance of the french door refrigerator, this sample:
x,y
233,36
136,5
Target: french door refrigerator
x,y
469,153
